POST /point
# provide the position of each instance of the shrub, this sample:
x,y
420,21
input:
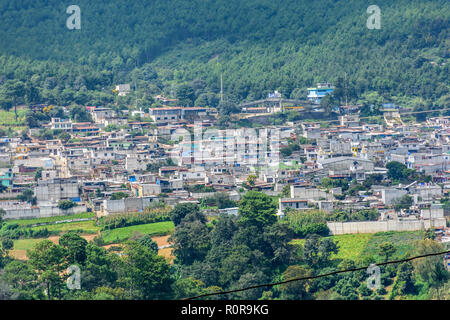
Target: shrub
x,y
66,204
304,223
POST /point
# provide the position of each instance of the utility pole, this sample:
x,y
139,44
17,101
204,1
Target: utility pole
x,y
221,87
346,90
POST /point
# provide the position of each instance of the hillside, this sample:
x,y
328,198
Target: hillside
x,y
258,45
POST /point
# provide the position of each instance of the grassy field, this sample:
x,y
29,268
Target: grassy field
x,y
7,118
354,246
22,245
28,222
404,242
25,244
154,229
88,230
351,245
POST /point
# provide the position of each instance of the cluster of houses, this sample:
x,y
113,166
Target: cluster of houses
x,y
133,159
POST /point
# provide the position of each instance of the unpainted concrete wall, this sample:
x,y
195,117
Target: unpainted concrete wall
x,y
337,228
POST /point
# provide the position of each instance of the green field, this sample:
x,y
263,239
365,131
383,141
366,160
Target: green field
x,y
404,242
25,244
355,246
351,246
154,229
7,118
28,222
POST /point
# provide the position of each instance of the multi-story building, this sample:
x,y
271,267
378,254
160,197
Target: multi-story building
x,y
316,94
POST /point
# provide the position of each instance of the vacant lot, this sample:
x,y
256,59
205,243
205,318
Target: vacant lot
x,y
354,246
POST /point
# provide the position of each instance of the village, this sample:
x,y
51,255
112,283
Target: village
x,y
115,165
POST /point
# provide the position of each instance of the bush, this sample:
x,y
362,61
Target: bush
x,y
119,196
360,215
14,232
304,223
66,204
364,291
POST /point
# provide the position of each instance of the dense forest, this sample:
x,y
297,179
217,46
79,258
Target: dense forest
x,y
180,48
226,253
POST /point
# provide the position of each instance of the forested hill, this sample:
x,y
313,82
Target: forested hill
x,y
258,45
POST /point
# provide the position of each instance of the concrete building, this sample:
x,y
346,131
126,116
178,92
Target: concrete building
x,y
123,89
316,94
302,193
389,195
6,177
345,164
436,211
326,206
99,115
166,114
311,131
127,205
349,121
145,189
292,203
427,192
61,124
57,189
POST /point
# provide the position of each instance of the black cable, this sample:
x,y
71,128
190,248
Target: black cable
x,y
315,277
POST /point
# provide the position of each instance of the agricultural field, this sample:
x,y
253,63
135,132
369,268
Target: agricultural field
x,y
351,246
79,226
29,222
89,230
122,234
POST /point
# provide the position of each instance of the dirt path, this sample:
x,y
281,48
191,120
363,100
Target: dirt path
x,y
162,241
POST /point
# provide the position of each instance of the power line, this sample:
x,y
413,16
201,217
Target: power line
x,y
315,277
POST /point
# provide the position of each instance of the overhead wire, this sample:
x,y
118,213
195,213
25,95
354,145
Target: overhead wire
x,y
316,276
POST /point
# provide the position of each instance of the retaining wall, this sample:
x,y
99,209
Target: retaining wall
x,y
337,228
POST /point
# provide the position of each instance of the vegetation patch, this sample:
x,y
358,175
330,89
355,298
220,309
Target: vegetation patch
x,y
30,222
153,229
404,243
